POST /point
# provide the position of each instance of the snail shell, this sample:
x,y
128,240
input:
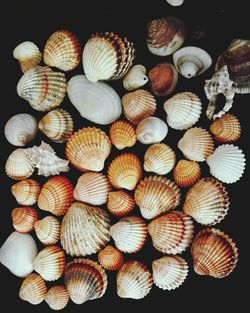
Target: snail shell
x,y
135,78
151,130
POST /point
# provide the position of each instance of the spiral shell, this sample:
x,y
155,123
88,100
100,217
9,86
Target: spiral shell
x,y
48,230
33,289
151,130
120,203
24,219
226,129
122,135
26,191
110,258
186,173
57,297
135,78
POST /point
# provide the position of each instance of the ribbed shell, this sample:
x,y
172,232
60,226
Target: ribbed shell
x,y
48,230
26,191
122,135
186,173
33,289
110,258
57,297
120,203
226,129
24,219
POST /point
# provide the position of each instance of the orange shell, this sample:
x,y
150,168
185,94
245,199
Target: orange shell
x,y
122,134
57,297
33,289
226,129
186,173
110,258
26,191
24,219
120,203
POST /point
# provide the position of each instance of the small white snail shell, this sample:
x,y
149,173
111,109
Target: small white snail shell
x,y
175,3
151,130
135,78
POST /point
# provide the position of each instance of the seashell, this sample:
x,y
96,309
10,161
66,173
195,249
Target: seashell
x,y
110,258
17,254
107,56
57,125
207,202
28,55
183,110
171,233
97,102
227,163
20,129
42,88
186,173
191,61
92,188
156,195
138,105
48,230
120,203
125,171
163,79
196,144
122,135
18,166
84,230
50,263
159,158
169,272
133,280
24,219
165,35
88,148
135,78
62,50
26,191
85,280
214,253
151,130
56,195
129,234
57,297
226,129
175,3
33,289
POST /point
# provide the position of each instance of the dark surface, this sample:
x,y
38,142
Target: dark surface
x,y
218,22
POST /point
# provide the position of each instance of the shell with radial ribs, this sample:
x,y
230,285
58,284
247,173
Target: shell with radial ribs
x,y
110,258
120,203
122,134
33,289
26,191
226,129
151,130
135,78
48,230
57,297
24,219
186,173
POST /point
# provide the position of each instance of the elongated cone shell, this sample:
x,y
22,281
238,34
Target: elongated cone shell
x,y
56,195
169,272
151,130
62,50
156,195
226,129
135,78
138,105
133,280
84,230
159,158
120,203
48,230
85,280
171,233
122,135
26,191
88,148
92,188
125,171
57,297
186,173
24,219
196,144
214,253
110,258
33,289
42,88
129,234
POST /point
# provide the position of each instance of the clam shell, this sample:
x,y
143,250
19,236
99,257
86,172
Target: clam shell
x,y
151,130
135,78
24,219
226,129
186,173
48,230
33,289
57,297
110,258
26,191
122,135
120,203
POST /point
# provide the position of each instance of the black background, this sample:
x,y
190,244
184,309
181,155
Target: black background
x,y
219,22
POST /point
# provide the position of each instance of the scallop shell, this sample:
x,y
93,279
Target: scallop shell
x,y
151,130
156,195
24,219
196,144
110,258
171,233
48,230
33,289
169,272
129,234
62,50
92,188
226,129
175,3
186,173
183,110
133,280
122,135
135,78
88,148
138,105
26,191
57,297
125,171
159,158
214,253
120,203
227,163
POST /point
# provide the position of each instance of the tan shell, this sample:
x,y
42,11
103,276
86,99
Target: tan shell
x,y
110,258
57,297
135,78
26,191
186,173
120,203
33,289
24,219
226,129
48,230
122,134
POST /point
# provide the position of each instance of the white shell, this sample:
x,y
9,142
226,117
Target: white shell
x,y
28,55
151,130
135,78
175,3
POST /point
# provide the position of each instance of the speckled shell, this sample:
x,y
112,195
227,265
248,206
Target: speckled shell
x,y
57,297
33,289
120,203
110,258
226,129
24,219
26,191
48,230
122,134
186,173
135,78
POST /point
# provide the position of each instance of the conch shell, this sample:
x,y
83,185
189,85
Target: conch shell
x,y
151,130
135,78
28,55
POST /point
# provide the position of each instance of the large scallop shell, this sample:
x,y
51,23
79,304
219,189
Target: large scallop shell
x,y
186,173
33,289
135,78
24,219
151,130
122,135
48,230
227,128
110,258
26,191
57,297
120,203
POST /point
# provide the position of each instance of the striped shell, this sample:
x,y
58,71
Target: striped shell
x,y
122,135
48,230
120,203
186,173
24,219
57,297
110,258
226,129
33,289
26,191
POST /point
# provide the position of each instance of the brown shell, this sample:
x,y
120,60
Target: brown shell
x,y
57,297
33,289
186,173
24,219
122,134
26,191
120,203
227,128
110,258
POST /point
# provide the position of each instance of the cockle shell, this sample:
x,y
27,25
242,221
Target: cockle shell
x,y
26,191
92,188
135,78
33,289
186,173
227,163
88,148
175,3
24,219
226,129
155,195
171,233
129,234
207,201
214,253
110,258
84,230
151,130
57,297
133,280
20,129
42,88
48,230
122,134
125,171
120,203
62,50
